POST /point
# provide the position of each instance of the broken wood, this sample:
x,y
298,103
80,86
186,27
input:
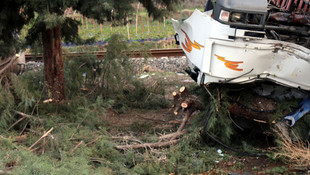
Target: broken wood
x,y
43,136
176,97
192,102
181,99
176,134
260,109
184,92
21,119
128,138
99,160
24,115
176,111
151,145
76,147
93,141
181,127
9,64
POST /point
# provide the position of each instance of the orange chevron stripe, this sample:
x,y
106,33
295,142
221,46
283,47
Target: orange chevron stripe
x,y
230,64
189,45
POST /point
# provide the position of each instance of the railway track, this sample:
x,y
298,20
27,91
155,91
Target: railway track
x,y
131,54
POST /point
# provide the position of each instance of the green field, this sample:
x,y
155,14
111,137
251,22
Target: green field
x,y
146,29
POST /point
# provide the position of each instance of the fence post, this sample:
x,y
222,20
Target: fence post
x,y
138,6
127,24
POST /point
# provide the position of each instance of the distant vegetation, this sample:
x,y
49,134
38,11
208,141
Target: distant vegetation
x,y
138,27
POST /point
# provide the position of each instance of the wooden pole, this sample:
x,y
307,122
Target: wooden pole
x,y
164,21
141,24
141,17
86,23
148,23
94,26
82,22
137,15
158,26
127,24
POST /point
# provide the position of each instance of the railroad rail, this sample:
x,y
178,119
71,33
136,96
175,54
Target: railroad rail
x,y
131,54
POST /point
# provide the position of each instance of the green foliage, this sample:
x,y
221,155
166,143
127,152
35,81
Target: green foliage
x,y
28,163
80,72
278,170
283,108
117,69
6,104
220,123
14,97
301,128
155,11
22,96
112,77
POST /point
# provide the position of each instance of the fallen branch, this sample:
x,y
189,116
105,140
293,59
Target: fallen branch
x,y
177,134
33,150
21,119
127,138
181,127
181,99
27,115
93,141
152,145
9,64
76,147
99,160
43,136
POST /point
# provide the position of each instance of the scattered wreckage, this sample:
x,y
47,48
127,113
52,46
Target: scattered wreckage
x,y
244,41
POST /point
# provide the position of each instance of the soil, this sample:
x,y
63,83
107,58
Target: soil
x,y
165,120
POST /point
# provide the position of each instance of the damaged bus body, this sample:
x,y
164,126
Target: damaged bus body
x,y
242,41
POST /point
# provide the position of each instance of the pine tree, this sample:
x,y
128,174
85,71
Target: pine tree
x,y
50,27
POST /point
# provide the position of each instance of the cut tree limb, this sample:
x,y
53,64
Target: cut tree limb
x,y
145,145
192,102
181,99
184,92
176,111
181,127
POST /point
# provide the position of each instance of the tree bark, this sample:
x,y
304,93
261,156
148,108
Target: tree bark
x,y
53,63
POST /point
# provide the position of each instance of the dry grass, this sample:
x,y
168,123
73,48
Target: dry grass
x,y
297,153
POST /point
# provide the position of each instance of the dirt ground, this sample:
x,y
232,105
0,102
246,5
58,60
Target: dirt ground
x,y
165,120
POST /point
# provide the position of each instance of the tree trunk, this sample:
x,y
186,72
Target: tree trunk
x,y
53,63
